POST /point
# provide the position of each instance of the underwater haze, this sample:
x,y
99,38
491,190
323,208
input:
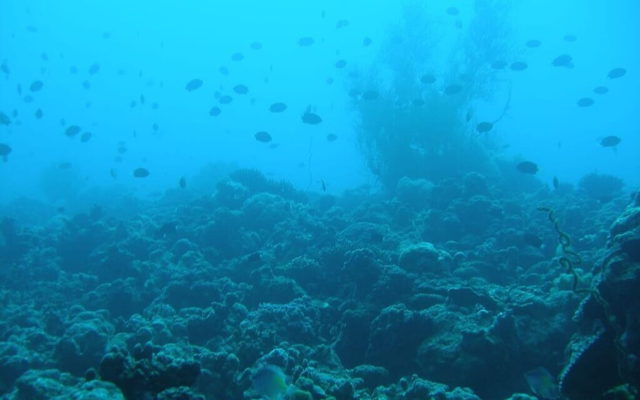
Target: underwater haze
x,y
294,200
118,71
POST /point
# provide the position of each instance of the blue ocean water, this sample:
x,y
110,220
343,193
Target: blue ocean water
x,y
150,52
340,199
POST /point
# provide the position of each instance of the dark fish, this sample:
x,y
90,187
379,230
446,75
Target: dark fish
x,y
533,43
269,382
453,11
342,23
305,41
215,111
263,136
182,182
427,79
585,102
4,119
370,95
468,115
65,165
518,66
310,118
556,183
193,84
155,127
237,57
72,130
452,89
277,107
563,60
332,137
484,127
254,257
73,69
5,68
113,173
542,384
616,73
499,64
140,173
324,185
527,167
341,63
241,89
531,240
601,90
38,113
85,137
610,141
570,38
28,99
86,84
225,99
366,42
94,68
417,102
5,150
36,86
256,45
224,70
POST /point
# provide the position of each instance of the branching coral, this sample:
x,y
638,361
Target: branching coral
x,y
427,77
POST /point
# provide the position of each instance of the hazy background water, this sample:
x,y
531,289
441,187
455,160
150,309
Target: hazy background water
x,y
153,48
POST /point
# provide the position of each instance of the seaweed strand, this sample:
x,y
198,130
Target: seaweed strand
x,y
569,260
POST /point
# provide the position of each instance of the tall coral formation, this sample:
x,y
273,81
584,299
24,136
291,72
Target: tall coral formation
x,y
415,103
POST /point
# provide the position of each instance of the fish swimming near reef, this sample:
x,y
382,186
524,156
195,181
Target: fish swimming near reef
x,y
4,119
140,173
72,130
5,150
610,141
277,107
563,60
484,127
311,118
585,102
263,136
616,73
527,167
193,84
241,89
270,382
542,384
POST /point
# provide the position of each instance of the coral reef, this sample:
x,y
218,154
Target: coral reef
x,y
400,296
